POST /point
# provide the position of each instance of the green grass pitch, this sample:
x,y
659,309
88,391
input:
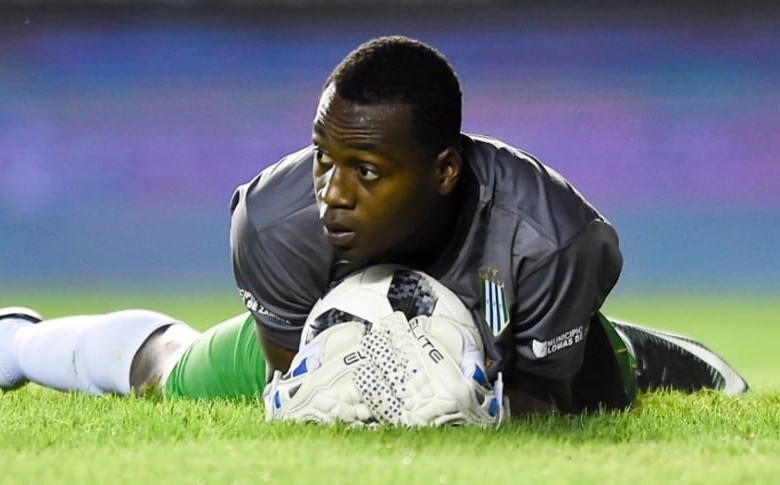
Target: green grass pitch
x,y
50,437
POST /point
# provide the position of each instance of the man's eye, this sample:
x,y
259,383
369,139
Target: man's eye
x,y
367,173
321,158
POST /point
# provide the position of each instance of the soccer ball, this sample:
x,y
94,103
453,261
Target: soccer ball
x,y
391,345
380,290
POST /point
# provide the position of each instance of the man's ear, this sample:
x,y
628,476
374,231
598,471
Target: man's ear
x,y
448,168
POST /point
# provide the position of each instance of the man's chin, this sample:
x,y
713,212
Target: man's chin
x,y
354,256
348,254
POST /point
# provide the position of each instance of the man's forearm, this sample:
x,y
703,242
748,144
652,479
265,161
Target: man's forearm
x,y
276,356
529,394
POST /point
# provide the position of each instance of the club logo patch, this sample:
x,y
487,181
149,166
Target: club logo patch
x,y
494,304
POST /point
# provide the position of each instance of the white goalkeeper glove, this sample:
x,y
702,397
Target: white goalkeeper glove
x,y
319,386
426,372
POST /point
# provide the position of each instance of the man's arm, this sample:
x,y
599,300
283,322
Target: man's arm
x,y
270,295
276,356
281,260
529,394
545,343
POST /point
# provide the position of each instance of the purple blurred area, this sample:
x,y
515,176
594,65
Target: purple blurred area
x,y
123,133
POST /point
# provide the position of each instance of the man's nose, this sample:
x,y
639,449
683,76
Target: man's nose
x,y
339,189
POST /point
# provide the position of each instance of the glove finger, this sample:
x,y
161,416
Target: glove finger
x,y
377,394
379,372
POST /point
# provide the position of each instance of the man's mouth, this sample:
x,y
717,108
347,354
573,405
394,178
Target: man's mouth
x,y
339,236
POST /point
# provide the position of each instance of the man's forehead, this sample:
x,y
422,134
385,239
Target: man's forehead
x,y
332,105
345,119
326,99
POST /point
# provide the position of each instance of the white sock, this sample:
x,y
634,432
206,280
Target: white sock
x,y
88,353
10,373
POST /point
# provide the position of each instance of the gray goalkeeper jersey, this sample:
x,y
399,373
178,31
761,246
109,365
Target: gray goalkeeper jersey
x,y
532,259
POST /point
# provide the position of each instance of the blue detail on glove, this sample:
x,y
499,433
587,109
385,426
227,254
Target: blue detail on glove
x,y
480,377
301,369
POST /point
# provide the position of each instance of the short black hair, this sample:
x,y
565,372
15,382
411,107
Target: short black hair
x,y
399,69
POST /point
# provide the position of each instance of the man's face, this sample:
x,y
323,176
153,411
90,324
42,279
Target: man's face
x,y
374,184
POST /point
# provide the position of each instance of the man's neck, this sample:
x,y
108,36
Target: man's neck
x,y
429,244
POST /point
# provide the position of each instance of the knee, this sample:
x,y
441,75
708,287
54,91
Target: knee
x,y
158,354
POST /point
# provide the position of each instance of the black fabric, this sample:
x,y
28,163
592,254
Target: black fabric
x,y
598,384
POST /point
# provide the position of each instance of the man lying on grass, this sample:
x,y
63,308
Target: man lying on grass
x,y
390,178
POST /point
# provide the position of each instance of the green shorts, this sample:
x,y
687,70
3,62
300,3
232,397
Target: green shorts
x,y
224,362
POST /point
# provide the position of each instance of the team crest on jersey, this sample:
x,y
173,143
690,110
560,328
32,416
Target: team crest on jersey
x,y
494,304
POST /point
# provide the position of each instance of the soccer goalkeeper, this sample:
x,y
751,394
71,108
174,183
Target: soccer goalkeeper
x,y
390,178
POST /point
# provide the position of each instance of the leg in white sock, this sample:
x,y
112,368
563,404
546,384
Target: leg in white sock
x,y
88,353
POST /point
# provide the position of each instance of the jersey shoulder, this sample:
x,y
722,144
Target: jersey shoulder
x,y
514,181
278,192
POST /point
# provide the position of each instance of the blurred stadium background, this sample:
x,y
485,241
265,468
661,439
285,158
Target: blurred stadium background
x,y
125,126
